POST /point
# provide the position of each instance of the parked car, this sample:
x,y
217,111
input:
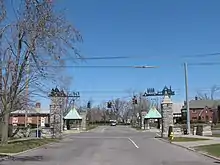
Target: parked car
x,y
113,122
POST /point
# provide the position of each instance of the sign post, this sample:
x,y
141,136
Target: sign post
x,y
37,110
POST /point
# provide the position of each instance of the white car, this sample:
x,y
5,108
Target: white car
x,y
113,123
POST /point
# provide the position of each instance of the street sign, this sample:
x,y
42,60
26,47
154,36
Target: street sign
x,y
42,123
165,91
73,94
14,120
29,120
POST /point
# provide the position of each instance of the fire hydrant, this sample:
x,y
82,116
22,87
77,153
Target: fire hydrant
x,y
171,137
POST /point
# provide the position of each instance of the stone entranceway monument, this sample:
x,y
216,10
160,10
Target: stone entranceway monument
x,y
56,112
167,114
166,107
59,101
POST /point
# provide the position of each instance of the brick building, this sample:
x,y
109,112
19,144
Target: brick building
x,y
18,117
202,110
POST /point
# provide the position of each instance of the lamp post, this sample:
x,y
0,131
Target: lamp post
x,y
143,67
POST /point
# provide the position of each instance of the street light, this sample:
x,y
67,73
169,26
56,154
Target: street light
x,y
145,67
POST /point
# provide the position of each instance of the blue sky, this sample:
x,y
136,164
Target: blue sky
x,y
162,31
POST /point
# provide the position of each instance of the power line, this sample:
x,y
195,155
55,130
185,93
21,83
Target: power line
x,y
135,57
142,57
124,66
205,55
204,64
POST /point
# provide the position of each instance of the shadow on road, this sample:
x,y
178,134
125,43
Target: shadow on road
x,y
23,158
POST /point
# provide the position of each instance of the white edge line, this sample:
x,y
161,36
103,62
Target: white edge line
x,y
103,129
133,142
95,137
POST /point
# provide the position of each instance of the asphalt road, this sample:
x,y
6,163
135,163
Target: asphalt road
x,y
118,145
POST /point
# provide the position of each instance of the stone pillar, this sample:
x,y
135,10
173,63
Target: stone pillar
x,y
142,122
63,107
56,117
167,115
148,125
83,122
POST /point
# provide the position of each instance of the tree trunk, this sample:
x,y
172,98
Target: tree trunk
x,y
4,129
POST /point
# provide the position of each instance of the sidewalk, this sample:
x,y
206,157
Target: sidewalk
x,y
197,143
191,145
71,131
152,130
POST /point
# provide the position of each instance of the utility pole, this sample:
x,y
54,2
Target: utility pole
x,y
27,92
140,110
1,74
134,102
187,98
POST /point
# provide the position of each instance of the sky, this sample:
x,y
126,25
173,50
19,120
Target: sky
x,y
162,32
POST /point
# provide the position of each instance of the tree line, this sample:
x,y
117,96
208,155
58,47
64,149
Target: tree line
x,y
122,110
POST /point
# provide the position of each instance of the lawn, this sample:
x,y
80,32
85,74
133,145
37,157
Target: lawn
x,y
215,135
187,139
19,146
89,127
213,149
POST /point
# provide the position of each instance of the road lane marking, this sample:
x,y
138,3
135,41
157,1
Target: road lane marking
x,y
96,137
133,142
103,129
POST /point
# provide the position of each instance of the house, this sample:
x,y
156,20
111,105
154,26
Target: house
x,y
177,112
201,110
18,117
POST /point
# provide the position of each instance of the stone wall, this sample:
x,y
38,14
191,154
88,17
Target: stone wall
x,y
207,130
177,131
203,130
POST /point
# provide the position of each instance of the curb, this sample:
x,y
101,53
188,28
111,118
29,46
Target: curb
x,y
8,155
192,149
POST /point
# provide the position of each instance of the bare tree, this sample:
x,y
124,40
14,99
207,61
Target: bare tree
x,y
119,108
143,105
210,95
36,40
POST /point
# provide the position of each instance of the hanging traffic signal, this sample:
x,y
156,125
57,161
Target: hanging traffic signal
x,y
89,105
109,104
134,100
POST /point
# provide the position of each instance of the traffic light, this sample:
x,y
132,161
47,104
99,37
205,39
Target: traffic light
x,y
134,100
109,104
89,105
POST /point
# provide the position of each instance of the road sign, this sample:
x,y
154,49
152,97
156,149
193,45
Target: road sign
x,y
14,120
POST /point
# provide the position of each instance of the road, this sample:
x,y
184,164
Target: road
x,y
107,145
